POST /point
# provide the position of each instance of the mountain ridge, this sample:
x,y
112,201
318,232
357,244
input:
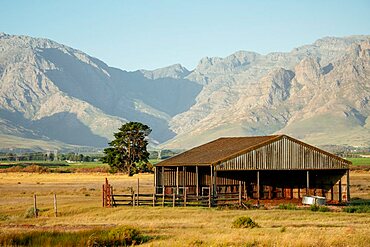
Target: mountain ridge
x,y
45,86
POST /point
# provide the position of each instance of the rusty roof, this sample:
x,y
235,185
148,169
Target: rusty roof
x,y
214,151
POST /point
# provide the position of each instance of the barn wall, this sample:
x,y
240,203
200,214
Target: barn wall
x,y
283,154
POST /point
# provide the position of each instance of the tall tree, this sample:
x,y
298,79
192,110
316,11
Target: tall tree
x,y
128,149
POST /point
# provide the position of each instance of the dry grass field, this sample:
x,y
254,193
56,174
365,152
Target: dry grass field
x,y
79,205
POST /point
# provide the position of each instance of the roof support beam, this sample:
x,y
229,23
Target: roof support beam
x,y
197,180
177,180
340,190
184,181
258,185
307,182
348,187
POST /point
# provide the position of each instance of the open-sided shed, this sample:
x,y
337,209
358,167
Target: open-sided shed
x,y
259,167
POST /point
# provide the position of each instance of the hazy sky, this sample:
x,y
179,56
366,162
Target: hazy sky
x,y
150,34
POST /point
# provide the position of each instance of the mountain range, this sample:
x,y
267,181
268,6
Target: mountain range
x,y
54,96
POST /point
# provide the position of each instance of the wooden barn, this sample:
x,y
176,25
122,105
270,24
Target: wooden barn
x,y
254,168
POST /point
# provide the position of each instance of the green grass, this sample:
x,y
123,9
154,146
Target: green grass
x,y
360,161
288,206
119,236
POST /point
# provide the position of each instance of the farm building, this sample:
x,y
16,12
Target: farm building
x,y
259,167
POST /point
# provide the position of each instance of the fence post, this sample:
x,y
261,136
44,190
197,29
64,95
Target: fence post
x,y
138,187
173,199
55,205
103,194
111,196
209,197
240,193
185,196
164,188
34,206
154,192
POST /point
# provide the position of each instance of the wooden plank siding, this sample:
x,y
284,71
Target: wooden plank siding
x,y
283,154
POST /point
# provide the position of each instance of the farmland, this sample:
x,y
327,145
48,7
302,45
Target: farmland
x,y
79,206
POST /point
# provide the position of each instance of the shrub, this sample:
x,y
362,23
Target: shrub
x,y
324,209
4,217
289,206
244,222
119,236
316,208
30,213
357,209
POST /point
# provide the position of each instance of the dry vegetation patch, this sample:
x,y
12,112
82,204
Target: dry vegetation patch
x,y
168,226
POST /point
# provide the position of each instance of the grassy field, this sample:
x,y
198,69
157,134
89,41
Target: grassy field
x,y
79,205
360,161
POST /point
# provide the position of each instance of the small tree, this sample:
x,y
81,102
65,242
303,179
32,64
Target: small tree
x,y
128,150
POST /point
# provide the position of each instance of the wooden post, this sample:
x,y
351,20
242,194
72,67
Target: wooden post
x,y
55,205
154,193
184,180
162,179
197,181
308,183
240,193
177,180
245,190
299,192
138,190
348,187
103,194
185,194
133,197
331,192
173,199
214,182
35,211
340,191
108,196
111,196
258,185
211,183
155,179
164,188
209,197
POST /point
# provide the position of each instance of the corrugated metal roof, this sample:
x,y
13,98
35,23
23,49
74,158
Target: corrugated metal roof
x,y
217,150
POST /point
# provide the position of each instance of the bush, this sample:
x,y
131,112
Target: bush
x,y
244,222
316,208
30,213
324,209
289,206
120,236
4,217
357,209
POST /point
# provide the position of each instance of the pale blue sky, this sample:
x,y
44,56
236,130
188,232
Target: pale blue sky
x,y
150,34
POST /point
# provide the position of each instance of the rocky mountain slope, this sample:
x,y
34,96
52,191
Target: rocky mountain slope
x,y
319,93
52,92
